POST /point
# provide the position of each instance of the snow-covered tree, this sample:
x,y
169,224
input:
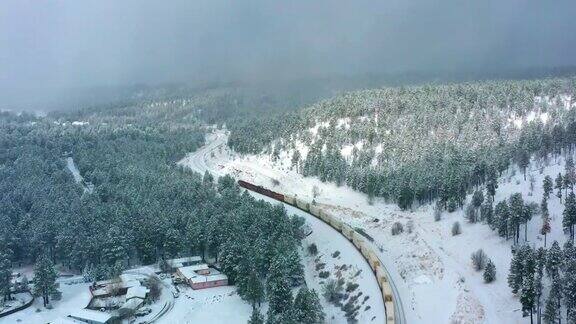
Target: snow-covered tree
x,y
569,214
547,186
554,259
307,308
5,274
489,272
558,186
256,317
44,278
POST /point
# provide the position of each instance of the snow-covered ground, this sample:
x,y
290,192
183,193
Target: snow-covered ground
x,y
342,260
430,267
77,176
213,305
74,296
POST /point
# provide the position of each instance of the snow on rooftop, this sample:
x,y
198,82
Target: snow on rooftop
x,y
179,262
209,278
65,320
91,315
136,292
190,271
132,304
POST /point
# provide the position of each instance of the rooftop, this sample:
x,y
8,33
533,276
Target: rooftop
x,y
136,292
91,315
190,271
179,262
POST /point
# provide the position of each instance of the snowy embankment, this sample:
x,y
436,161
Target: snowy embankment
x,y
341,259
430,267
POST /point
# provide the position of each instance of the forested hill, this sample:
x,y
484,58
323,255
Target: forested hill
x,y
419,142
143,208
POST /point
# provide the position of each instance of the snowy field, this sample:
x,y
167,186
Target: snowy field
x,y
74,296
213,305
430,267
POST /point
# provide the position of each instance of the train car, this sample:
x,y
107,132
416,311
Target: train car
x,y
261,190
387,292
357,239
347,231
302,204
290,200
324,216
373,260
315,210
390,319
381,276
335,222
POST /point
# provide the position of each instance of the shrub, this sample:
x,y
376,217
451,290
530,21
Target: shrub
x,y
350,287
456,229
332,291
451,205
410,226
324,274
335,254
320,266
437,214
479,259
397,228
312,249
470,213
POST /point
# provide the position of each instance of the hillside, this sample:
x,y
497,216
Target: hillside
x,y
431,267
422,142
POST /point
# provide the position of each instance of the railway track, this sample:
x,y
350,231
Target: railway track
x,y
390,294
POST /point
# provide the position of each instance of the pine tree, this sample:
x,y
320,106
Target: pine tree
x,y
487,213
527,296
489,272
254,289
492,182
256,317
516,271
554,259
538,284
5,274
527,293
307,308
569,214
278,288
44,279
558,186
569,290
545,229
553,302
517,214
502,214
547,186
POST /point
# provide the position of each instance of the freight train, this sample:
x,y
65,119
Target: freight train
x,y
359,241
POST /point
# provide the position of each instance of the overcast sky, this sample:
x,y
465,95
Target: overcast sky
x,y
51,46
